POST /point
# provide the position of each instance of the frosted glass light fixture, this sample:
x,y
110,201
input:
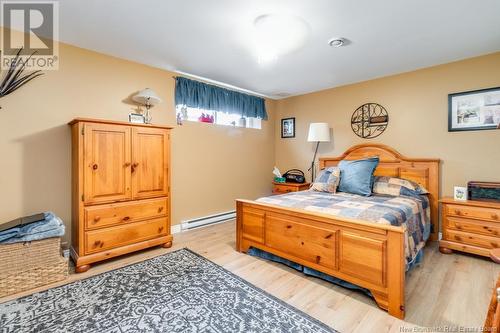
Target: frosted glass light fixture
x,y
278,34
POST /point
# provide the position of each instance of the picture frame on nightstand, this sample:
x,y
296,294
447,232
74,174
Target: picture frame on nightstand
x,y
136,118
460,193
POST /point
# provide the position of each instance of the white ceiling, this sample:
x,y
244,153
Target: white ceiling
x,y
210,38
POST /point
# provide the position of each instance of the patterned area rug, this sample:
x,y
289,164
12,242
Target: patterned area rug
x,y
178,292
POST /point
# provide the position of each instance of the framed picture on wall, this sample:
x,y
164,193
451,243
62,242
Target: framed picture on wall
x,y
288,128
474,110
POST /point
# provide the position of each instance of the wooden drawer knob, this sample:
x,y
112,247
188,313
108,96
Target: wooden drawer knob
x,y
160,229
97,218
160,209
458,212
126,218
98,243
95,166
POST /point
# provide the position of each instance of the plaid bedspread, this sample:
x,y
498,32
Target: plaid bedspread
x,y
413,213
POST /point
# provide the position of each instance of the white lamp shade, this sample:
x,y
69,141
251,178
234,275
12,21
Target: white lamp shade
x,y
319,132
147,97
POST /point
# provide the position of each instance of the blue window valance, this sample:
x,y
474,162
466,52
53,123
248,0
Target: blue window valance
x,y
195,94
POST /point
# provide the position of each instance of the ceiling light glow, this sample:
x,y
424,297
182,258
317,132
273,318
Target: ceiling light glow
x,y
277,35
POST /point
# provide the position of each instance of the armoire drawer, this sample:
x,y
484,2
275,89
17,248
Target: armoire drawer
x,y
100,240
120,213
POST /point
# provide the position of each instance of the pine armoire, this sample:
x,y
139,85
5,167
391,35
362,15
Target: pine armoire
x,y
121,189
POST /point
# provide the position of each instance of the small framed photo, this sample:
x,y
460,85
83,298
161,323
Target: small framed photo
x,y
474,110
288,128
460,193
136,118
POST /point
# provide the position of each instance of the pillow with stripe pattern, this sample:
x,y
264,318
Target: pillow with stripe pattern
x,y
327,180
397,186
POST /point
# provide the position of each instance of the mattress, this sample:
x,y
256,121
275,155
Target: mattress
x,y
408,212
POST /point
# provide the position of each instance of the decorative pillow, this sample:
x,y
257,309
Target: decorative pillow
x,y
327,180
357,176
397,186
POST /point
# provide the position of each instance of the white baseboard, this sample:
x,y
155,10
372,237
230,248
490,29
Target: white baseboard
x,y
175,229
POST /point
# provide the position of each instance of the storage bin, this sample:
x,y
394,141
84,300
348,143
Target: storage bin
x,y
25,266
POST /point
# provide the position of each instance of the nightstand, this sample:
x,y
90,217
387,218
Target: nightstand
x,y
281,188
470,226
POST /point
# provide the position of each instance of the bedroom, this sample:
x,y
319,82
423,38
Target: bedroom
x,y
413,59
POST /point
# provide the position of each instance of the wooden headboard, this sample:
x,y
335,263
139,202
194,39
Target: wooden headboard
x,y
424,171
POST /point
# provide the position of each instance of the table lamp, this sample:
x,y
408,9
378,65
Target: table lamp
x,y
318,132
148,98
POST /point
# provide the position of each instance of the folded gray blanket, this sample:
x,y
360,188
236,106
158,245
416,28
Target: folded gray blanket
x,y
50,226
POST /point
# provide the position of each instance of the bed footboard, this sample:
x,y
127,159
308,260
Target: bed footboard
x,y
369,255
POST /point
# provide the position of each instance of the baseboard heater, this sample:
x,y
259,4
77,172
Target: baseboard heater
x,y
208,220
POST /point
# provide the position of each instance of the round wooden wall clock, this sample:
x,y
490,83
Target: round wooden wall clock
x,y
369,120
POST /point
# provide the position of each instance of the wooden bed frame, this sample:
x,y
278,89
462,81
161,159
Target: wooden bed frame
x,y
366,254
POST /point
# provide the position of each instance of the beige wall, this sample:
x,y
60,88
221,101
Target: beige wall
x,y
211,165
418,109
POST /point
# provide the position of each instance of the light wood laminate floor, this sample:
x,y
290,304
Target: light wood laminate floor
x,y
446,290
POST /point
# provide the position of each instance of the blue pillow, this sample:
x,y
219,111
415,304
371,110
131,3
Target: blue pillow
x,y
357,176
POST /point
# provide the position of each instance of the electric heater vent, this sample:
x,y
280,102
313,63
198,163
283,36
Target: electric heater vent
x,y
208,220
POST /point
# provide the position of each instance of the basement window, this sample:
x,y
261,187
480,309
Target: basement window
x,y
217,118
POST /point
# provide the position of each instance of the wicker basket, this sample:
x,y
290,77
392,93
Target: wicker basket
x,y
25,266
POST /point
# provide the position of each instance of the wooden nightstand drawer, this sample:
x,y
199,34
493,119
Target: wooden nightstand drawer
x,y
282,188
472,239
481,213
473,226
470,226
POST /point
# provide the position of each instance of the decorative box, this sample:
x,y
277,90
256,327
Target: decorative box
x,y
483,191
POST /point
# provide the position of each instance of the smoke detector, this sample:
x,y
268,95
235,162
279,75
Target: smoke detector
x,y
337,42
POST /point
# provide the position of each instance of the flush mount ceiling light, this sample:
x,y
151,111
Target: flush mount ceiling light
x,y
337,42
277,35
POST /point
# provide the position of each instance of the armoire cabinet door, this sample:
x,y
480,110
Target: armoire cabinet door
x,y
107,163
150,156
